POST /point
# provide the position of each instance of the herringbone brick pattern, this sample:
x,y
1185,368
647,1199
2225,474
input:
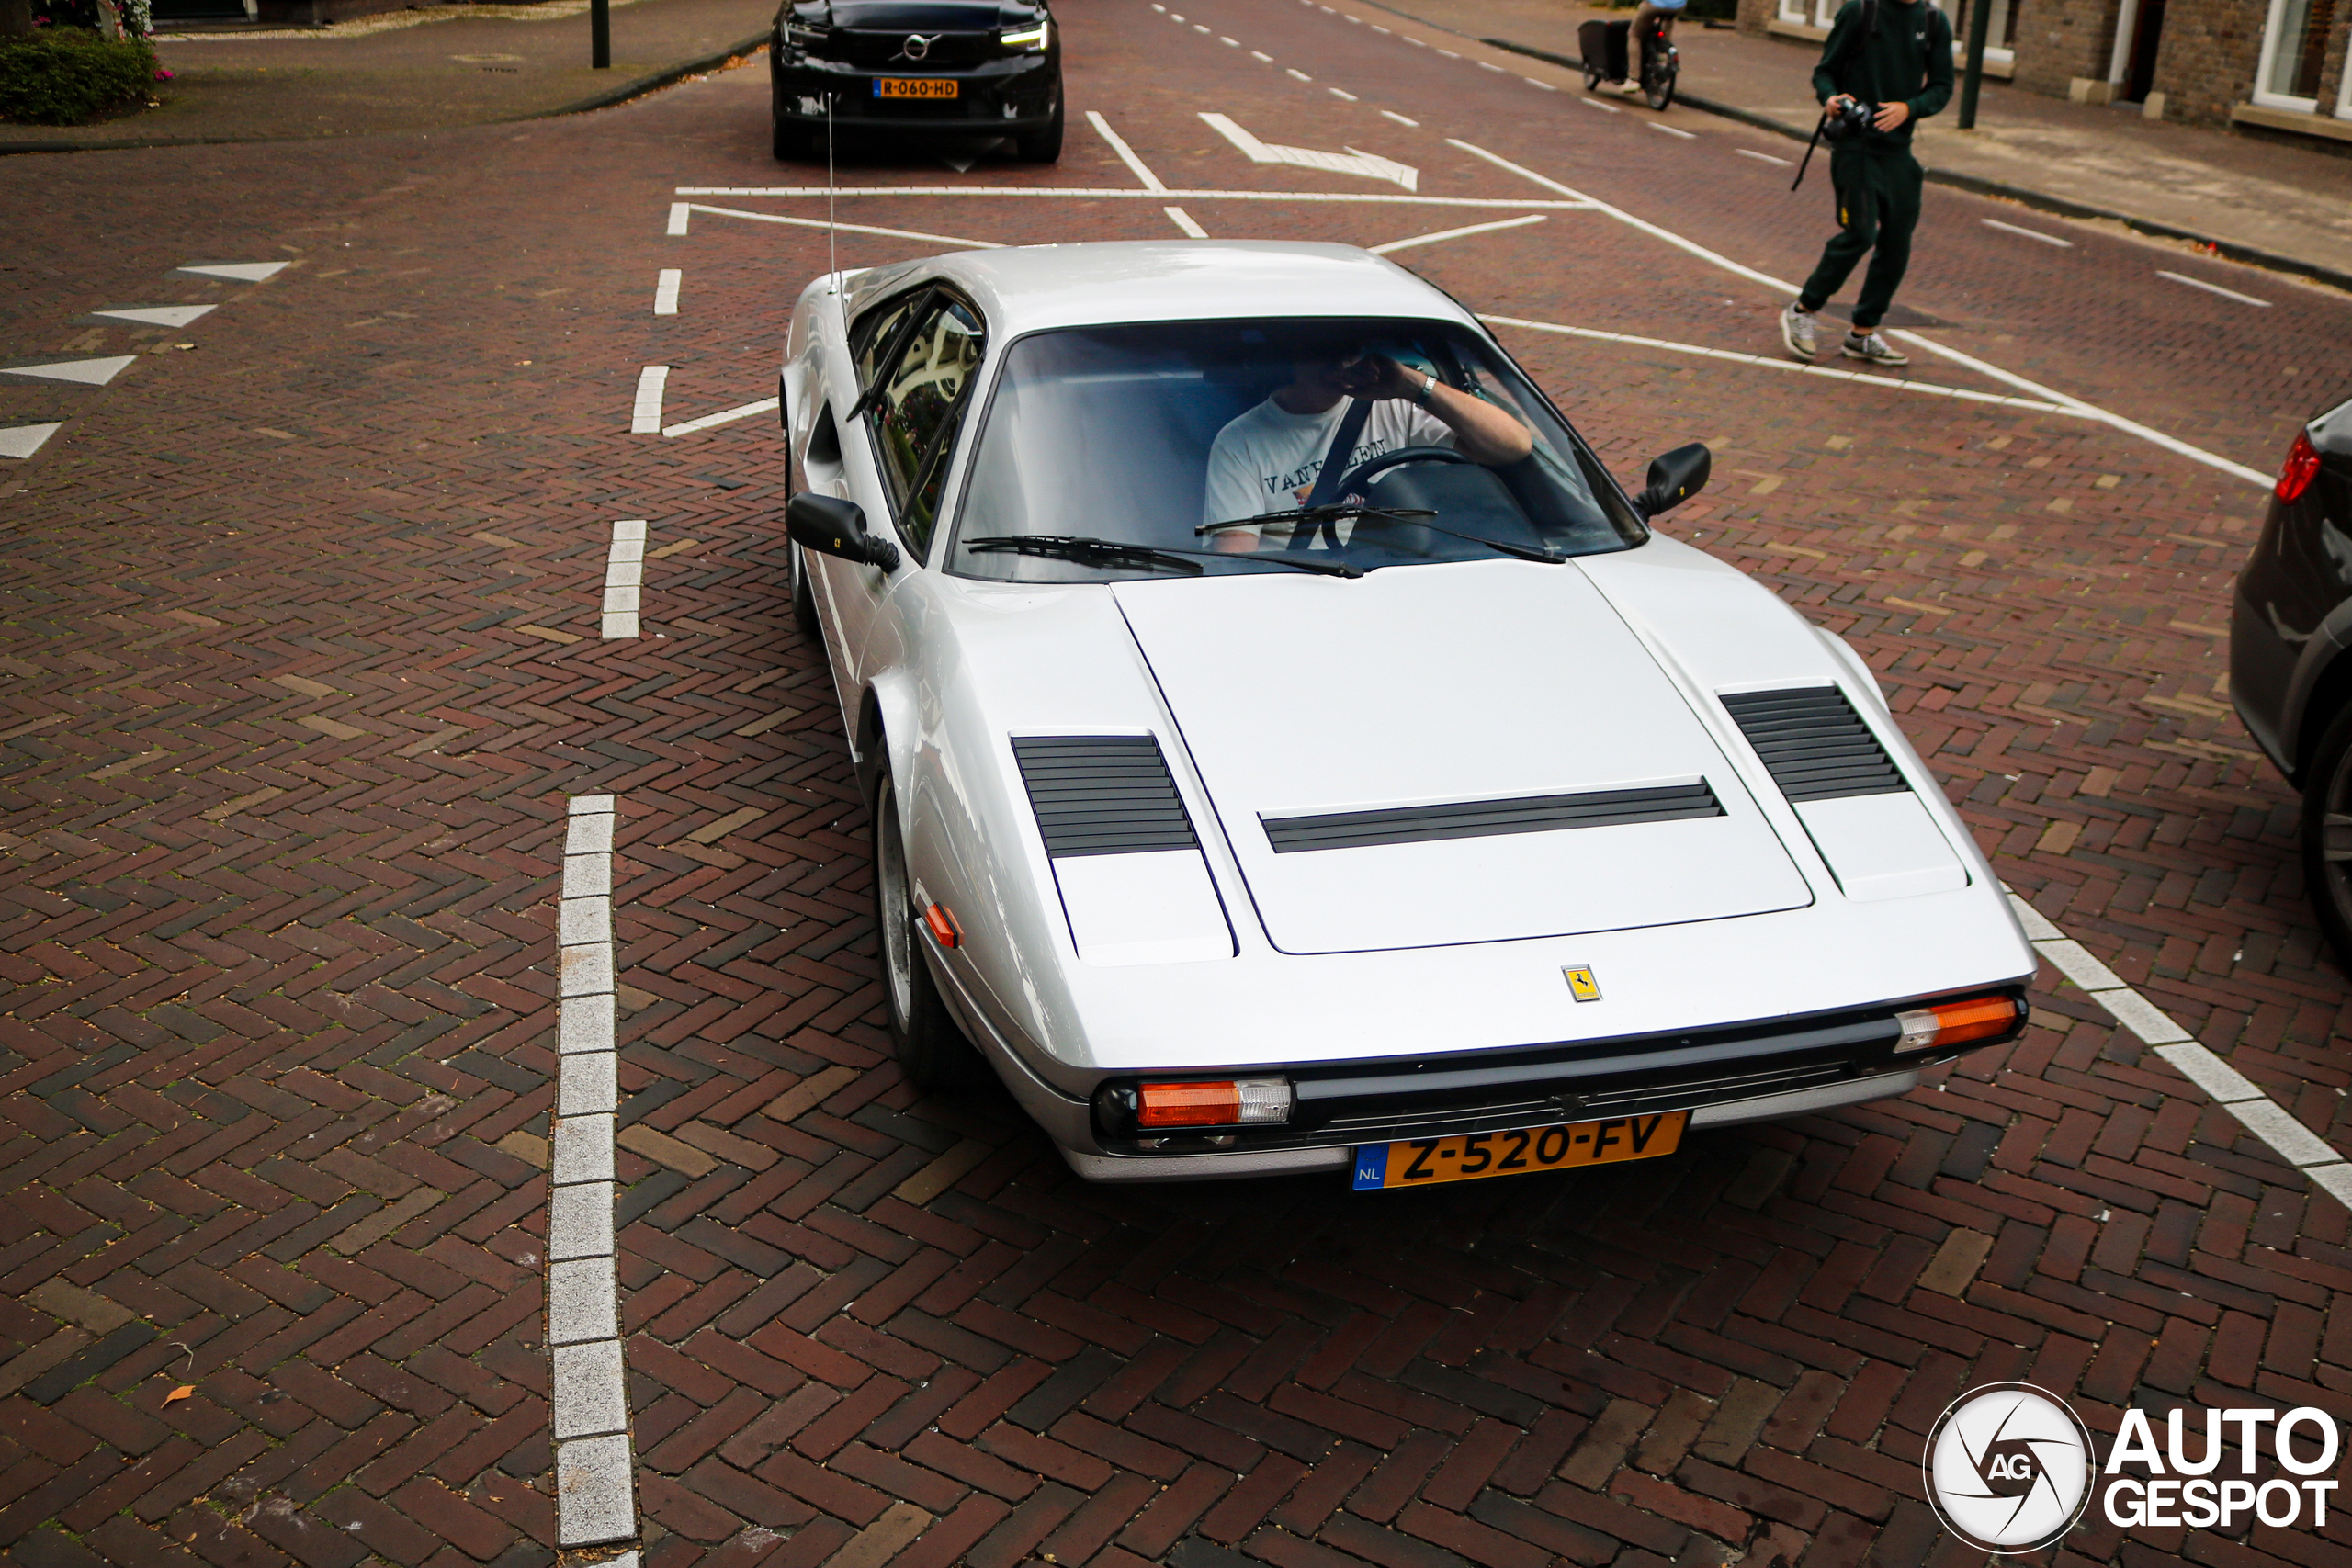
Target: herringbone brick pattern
x,y
316,605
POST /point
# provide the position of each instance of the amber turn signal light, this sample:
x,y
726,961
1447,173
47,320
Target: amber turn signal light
x,y
1212,1104
943,926
1957,1023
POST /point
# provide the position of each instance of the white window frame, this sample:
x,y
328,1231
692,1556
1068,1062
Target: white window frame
x,y
2343,87
1794,13
2127,21
2262,95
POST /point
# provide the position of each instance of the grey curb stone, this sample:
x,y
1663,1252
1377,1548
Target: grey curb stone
x,y
583,1149
581,1302
587,1396
587,1025
595,1501
587,1082
579,1221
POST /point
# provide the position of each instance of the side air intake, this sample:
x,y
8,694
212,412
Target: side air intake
x,y
1103,795
1483,819
1816,745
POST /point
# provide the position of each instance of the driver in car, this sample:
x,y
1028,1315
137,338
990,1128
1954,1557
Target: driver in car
x,y
1269,458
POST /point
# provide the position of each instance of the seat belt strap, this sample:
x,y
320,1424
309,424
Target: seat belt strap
x,y
1335,469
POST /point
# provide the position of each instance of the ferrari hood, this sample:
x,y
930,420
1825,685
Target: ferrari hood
x,y
1451,753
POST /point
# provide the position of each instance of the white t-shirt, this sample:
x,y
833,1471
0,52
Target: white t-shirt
x,y
1267,458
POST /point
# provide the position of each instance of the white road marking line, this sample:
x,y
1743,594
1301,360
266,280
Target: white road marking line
x,y
1198,28
1115,193
725,416
1377,28
1231,42
588,1408
1534,82
1127,153
678,211
1338,94
82,372
1490,66
1457,233
1354,161
1410,38
24,440
1261,58
1671,129
159,315
666,291
1764,157
1449,54
645,418
2068,401
1392,114
2028,233
1183,220
2278,1128
2213,289
854,228
239,272
1887,383
624,577
1296,74
1597,104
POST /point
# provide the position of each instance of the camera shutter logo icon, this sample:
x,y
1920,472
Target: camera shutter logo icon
x,y
2010,1468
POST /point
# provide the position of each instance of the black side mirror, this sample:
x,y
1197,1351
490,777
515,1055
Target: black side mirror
x,y
1675,478
832,527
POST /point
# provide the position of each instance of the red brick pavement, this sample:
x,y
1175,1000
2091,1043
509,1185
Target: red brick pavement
x,y
279,1030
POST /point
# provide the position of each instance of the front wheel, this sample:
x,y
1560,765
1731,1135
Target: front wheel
x,y
1043,146
931,1050
2327,835
1659,89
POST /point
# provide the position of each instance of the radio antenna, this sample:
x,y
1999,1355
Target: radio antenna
x,y
833,241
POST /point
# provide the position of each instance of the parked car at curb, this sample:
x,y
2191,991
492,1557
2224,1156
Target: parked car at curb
x,y
2290,677
932,69
1460,825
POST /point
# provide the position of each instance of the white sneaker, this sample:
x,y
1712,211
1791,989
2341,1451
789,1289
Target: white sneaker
x,y
1871,347
1796,332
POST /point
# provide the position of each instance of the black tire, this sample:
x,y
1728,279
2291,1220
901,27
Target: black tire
x,y
2327,835
931,1050
1043,146
1659,90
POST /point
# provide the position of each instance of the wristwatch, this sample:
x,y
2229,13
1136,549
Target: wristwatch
x,y
1429,385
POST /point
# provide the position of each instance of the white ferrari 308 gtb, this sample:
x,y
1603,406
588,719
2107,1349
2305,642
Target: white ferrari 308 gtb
x,y
1289,749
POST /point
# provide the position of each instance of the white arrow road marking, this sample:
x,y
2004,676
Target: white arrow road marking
x,y
242,271
24,440
159,315
1371,165
89,372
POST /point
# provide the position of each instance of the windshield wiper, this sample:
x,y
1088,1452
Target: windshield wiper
x,y
1111,552
1313,515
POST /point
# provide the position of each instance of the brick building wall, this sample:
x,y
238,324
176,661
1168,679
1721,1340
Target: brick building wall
x,y
2207,59
2058,41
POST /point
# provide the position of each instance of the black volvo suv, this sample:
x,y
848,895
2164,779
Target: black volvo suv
x,y
945,68
2290,655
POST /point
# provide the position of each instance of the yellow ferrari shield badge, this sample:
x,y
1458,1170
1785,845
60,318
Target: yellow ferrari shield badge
x,y
1581,985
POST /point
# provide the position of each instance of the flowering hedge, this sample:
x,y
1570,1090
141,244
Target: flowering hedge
x,y
71,75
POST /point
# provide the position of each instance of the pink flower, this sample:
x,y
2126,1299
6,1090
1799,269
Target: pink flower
x,y
162,74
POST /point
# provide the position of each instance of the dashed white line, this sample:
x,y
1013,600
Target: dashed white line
x,y
2028,233
666,291
1230,42
724,416
1198,28
1261,58
645,417
1339,92
1534,82
1761,157
1183,220
678,211
1411,40
1392,114
1490,66
1127,153
1671,131
2268,1120
588,1406
1449,54
2215,289
624,577
1295,75
1457,233
1597,104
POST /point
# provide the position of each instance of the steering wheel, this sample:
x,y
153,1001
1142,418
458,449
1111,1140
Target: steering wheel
x,y
1370,466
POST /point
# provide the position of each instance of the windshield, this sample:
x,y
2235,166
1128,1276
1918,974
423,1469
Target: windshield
x,y
1202,447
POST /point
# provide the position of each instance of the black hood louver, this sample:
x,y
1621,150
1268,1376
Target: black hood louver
x,y
1486,818
1814,743
1103,795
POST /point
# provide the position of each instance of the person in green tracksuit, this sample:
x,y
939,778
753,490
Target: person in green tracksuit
x,y
1896,54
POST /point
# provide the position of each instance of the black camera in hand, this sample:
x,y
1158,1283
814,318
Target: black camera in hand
x,y
1848,120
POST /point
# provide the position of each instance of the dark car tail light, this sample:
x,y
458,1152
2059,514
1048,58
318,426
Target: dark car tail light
x,y
2301,467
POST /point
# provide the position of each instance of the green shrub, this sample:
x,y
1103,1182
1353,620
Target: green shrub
x,y
71,75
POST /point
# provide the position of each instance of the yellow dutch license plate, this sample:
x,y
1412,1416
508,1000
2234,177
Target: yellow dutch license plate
x,y
1424,1162
915,86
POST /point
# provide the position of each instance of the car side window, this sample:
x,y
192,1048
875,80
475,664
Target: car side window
x,y
921,382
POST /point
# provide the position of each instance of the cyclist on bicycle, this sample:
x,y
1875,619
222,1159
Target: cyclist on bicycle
x,y
1653,31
